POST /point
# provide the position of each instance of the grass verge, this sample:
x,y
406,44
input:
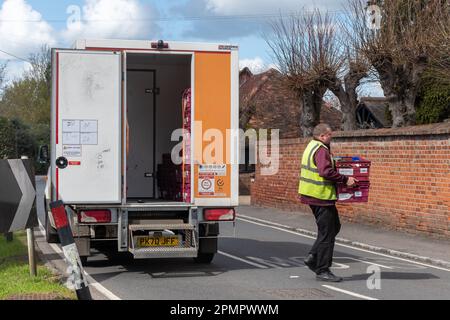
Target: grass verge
x,y
15,279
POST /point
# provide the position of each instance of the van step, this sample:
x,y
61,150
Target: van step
x,y
145,253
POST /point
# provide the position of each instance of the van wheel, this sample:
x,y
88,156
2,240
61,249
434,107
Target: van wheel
x,y
204,258
51,235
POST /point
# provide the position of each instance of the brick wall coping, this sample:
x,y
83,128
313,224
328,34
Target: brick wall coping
x,y
423,130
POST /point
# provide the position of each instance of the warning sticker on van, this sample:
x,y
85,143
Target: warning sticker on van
x,y
206,184
72,151
219,170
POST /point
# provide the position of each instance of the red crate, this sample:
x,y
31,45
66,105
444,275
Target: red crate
x,y
358,168
350,166
358,193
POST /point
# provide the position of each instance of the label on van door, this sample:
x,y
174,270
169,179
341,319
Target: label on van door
x,y
72,151
206,184
214,169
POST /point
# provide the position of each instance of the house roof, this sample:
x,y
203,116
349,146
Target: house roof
x,y
377,108
276,106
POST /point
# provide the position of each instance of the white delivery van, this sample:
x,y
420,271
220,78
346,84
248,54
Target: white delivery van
x,y
116,108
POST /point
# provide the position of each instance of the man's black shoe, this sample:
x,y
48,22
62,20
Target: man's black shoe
x,y
328,276
310,262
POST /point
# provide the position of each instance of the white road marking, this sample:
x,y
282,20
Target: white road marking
x,y
369,263
357,295
242,260
100,288
340,244
339,266
91,281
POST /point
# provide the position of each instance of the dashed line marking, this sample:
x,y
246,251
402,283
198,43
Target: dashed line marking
x,y
338,244
243,260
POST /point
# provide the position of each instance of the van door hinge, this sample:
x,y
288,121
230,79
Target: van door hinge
x,y
152,91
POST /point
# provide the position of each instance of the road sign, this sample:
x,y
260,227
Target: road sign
x,y
17,196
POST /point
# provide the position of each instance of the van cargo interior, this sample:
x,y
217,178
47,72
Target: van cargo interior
x,y
156,85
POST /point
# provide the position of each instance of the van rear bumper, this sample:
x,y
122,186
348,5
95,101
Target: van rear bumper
x,y
147,206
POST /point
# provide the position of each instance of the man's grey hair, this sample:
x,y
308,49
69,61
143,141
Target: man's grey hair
x,y
321,128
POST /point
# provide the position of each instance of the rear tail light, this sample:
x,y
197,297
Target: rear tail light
x,y
219,214
94,216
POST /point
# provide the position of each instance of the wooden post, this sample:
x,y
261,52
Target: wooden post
x,y
31,247
31,252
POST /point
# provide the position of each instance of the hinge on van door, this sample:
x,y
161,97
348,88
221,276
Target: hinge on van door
x,y
153,91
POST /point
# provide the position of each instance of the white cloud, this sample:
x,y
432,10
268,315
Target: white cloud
x,y
371,89
228,7
16,69
22,30
110,19
249,17
256,65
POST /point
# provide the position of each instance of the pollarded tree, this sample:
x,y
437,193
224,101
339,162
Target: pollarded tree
x,y
306,49
345,87
408,40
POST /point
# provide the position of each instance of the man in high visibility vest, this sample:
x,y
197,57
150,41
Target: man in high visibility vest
x,y
318,190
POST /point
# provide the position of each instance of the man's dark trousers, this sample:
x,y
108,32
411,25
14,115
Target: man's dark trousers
x,y
327,219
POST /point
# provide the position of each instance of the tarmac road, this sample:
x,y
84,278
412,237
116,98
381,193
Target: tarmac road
x,y
263,262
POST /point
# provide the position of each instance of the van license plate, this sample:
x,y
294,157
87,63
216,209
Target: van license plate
x,y
157,241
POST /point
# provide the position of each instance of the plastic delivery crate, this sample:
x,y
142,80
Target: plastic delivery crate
x,y
358,193
358,168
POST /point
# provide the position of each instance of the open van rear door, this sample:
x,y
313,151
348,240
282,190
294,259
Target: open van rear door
x,y
86,126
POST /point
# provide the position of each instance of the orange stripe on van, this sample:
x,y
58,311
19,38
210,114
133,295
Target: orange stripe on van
x,y
213,108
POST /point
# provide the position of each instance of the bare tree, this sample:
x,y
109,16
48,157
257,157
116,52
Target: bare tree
x,y
2,75
309,57
345,89
41,66
407,41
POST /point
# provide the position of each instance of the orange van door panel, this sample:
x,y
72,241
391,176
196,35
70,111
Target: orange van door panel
x,y
212,115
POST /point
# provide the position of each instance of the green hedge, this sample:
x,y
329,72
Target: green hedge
x,y
434,103
18,139
7,139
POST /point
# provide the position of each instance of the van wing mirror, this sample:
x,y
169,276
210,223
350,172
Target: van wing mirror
x,y
43,157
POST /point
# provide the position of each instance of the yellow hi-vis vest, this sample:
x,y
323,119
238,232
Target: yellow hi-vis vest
x,y
311,183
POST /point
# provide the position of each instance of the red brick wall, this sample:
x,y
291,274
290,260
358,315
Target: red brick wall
x,y
410,178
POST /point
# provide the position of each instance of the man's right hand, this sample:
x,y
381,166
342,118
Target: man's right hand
x,y
351,182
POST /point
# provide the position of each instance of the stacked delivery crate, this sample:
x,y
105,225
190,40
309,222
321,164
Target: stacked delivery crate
x,y
174,181
169,179
358,168
186,172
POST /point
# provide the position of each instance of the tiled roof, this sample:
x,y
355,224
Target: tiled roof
x,y
277,107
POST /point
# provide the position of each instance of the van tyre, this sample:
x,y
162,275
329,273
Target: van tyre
x,y
84,260
51,235
204,258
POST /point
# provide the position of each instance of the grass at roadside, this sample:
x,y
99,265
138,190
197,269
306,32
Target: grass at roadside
x,y
15,279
